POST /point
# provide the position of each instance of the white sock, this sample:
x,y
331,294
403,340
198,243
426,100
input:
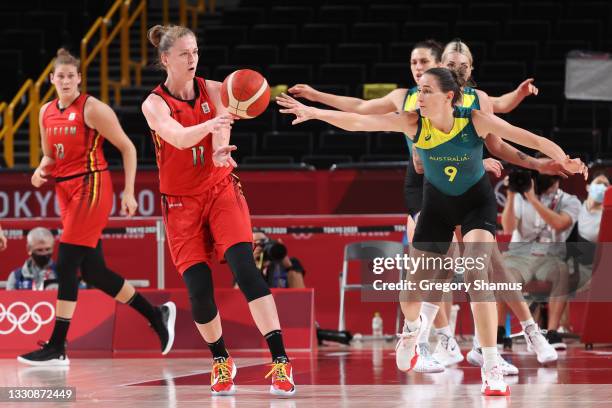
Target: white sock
x,y
412,325
527,323
475,342
429,310
490,357
446,331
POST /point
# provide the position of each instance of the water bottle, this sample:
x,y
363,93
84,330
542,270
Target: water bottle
x,y
377,325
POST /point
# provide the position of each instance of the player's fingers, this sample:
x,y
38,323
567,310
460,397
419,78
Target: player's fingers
x,y
233,162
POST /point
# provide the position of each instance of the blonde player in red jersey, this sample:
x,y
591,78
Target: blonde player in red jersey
x,y
204,209
73,127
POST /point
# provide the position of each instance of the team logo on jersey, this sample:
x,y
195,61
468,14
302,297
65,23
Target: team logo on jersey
x,y
205,107
71,116
428,137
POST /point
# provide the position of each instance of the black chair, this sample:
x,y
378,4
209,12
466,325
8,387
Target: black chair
x,y
529,10
585,140
550,70
255,54
517,50
534,116
339,73
307,53
558,49
268,160
246,143
374,32
585,30
489,11
503,71
213,55
342,142
273,34
441,12
528,30
416,31
289,74
390,143
392,72
290,14
223,35
340,14
323,33
399,51
384,13
477,31
288,143
244,16
357,53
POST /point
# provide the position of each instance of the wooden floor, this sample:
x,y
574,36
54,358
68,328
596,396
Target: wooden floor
x,y
363,375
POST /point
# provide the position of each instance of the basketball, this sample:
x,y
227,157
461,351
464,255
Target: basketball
x,y
245,93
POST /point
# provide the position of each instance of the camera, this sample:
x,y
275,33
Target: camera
x,y
519,181
272,250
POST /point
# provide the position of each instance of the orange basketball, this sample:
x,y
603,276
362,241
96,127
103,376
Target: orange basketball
x,y
245,93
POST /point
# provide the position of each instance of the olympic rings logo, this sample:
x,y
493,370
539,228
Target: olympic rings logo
x,y
27,314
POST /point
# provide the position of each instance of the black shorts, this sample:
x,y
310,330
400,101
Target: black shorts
x,y
413,190
474,209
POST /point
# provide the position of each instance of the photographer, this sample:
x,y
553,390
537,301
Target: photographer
x,y
540,216
271,258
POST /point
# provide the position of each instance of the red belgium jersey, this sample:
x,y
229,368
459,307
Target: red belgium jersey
x,y
190,171
76,147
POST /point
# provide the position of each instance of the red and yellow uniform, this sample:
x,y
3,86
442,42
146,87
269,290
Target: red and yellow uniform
x,y
203,206
83,186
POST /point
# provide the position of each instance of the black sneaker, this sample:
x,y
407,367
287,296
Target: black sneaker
x,y
555,340
47,356
165,326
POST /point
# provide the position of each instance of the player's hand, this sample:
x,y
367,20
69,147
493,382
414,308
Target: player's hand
x,y
551,168
220,123
493,166
575,166
222,157
39,177
530,194
3,241
128,204
527,88
303,91
302,112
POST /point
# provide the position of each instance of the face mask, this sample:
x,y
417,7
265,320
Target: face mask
x,y
41,260
597,192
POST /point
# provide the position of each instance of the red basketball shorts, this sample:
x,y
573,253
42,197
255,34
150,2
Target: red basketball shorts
x,y
201,228
85,203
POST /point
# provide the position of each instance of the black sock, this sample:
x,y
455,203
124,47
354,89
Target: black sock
x,y
142,306
60,331
275,343
218,349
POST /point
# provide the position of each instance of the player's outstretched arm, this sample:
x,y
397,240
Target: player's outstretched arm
x,y
509,101
386,104
391,122
486,123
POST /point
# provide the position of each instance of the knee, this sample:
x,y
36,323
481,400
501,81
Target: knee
x,y
248,277
198,279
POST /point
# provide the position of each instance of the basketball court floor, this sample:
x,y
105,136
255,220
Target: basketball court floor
x,y
360,375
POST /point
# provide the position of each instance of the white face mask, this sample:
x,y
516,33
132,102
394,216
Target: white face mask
x,y
597,192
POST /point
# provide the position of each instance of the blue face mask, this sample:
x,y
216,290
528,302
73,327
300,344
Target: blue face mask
x,y
597,192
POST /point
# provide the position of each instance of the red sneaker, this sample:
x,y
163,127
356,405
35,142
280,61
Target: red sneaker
x,y
282,379
222,376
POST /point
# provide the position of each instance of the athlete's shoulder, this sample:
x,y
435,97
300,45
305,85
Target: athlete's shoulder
x,y
44,107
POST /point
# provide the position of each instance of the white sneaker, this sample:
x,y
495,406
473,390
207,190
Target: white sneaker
x,y
493,383
447,351
536,342
406,355
475,358
426,362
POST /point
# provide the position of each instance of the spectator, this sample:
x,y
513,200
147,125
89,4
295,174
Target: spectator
x,y
540,225
278,268
39,270
591,211
3,242
589,220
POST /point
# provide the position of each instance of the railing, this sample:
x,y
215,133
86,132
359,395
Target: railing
x,y
195,10
31,91
100,28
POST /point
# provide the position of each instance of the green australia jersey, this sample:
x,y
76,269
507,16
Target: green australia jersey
x,y
452,161
470,100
